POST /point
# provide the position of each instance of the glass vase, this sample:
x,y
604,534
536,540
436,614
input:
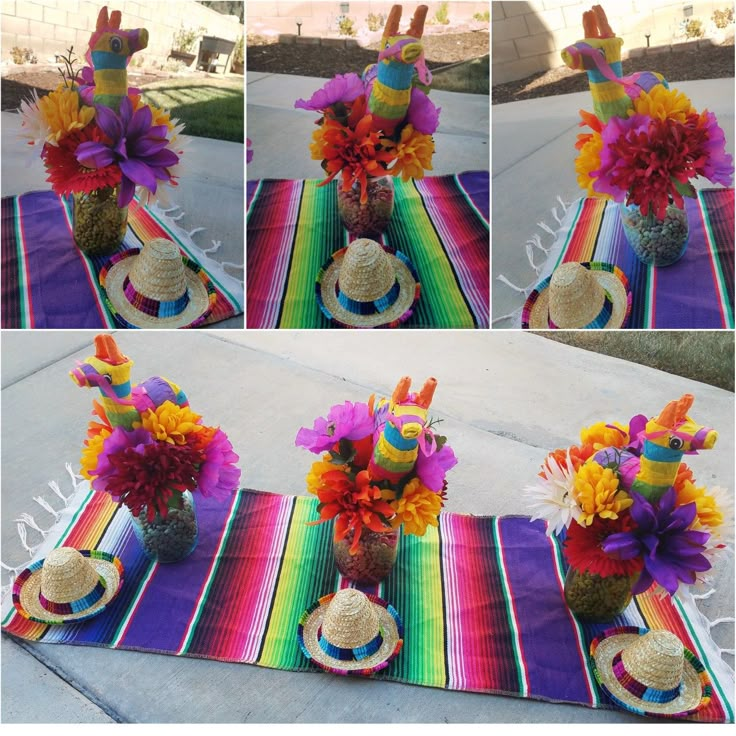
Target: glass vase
x,y
654,241
593,598
99,224
168,539
370,219
374,559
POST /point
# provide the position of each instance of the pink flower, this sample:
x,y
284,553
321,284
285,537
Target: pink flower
x,y
344,421
218,475
431,469
343,88
422,113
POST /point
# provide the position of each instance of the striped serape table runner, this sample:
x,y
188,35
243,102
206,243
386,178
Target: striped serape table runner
x,y
481,599
695,292
47,282
439,222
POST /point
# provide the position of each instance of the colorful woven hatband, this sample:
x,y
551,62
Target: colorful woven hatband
x,y
650,672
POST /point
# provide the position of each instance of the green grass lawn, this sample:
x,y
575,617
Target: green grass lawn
x,y
211,108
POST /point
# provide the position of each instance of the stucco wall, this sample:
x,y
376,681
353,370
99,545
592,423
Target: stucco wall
x,y
49,27
527,37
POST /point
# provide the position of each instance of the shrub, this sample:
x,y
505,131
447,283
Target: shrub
x,y
185,38
375,22
482,16
722,18
441,16
21,56
346,26
694,29
238,51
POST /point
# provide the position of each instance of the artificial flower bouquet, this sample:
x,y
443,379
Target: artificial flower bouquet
x,y
633,513
166,452
647,144
382,468
377,125
98,139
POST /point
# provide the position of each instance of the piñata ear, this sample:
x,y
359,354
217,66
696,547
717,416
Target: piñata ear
x,y
115,17
417,22
392,22
668,416
102,20
425,395
683,406
604,30
402,390
590,25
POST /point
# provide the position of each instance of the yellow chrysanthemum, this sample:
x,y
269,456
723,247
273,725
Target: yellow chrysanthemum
x,y
318,469
589,159
63,114
170,423
417,508
605,434
663,103
707,512
91,451
597,493
413,152
318,144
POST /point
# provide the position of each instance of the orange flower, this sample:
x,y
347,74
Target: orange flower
x,y
413,154
352,148
578,455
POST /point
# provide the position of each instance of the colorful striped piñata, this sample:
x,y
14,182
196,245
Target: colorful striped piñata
x,y
481,600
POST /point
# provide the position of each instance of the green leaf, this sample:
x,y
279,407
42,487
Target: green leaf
x,y
347,450
686,189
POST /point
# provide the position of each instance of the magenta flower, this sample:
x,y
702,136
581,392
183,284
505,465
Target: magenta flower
x,y
670,550
116,444
248,151
343,88
344,421
422,113
431,469
218,475
139,148
718,166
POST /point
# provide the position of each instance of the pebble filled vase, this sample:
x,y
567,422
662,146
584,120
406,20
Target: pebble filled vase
x,y
594,598
168,539
99,224
656,242
370,219
374,558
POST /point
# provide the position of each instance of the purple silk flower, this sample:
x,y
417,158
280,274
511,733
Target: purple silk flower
x,y
137,146
343,88
671,551
422,113
344,421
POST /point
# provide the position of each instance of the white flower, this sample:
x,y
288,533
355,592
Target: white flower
x,y
34,128
552,498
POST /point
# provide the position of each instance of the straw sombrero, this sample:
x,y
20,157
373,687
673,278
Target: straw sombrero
x,y
70,585
157,287
650,672
350,633
367,285
591,295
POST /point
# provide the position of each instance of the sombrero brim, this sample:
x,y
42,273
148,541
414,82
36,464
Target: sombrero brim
x,y
696,687
202,295
393,639
27,587
396,314
613,280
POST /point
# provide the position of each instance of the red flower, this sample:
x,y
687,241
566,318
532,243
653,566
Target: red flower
x,y
584,551
355,504
67,175
148,475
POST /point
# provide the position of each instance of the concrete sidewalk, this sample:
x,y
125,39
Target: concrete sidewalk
x,y
281,135
515,397
534,162
210,192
